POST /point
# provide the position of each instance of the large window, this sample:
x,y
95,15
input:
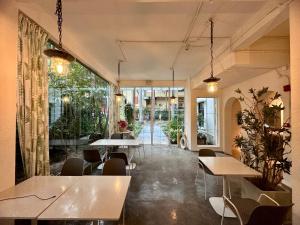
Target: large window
x,y
207,122
78,112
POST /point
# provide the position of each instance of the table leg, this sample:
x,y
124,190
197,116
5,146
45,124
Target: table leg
x,y
34,222
124,214
218,202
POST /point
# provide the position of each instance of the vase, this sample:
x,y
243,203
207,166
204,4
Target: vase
x,y
121,129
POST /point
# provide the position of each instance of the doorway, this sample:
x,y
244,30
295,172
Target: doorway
x,y
156,120
232,126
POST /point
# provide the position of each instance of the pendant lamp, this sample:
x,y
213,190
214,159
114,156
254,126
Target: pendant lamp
x,y
60,59
211,82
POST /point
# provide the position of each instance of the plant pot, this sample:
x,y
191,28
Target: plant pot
x,y
122,129
282,194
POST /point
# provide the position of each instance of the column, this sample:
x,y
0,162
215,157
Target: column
x,y
188,113
295,104
141,114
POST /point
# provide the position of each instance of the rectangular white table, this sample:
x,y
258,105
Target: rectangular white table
x,y
91,198
31,207
78,198
226,166
116,142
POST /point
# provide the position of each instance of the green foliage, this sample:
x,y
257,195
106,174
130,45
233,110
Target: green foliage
x,y
128,110
174,127
137,128
200,118
85,113
264,143
163,113
67,126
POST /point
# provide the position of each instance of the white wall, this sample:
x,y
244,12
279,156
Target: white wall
x,y
8,65
295,103
275,82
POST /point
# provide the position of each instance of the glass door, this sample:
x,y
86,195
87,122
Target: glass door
x,y
161,115
156,121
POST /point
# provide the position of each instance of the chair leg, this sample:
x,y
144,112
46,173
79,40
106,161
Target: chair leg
x,y
229,189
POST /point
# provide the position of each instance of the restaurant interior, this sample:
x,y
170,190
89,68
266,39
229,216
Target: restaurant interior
x,y
143,112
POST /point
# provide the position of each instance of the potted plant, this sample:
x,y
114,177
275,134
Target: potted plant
x,y
264,143
122,125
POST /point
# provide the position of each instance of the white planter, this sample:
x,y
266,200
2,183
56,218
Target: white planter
x,y
282,194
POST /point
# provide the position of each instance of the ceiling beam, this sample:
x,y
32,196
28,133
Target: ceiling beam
x,y
260,24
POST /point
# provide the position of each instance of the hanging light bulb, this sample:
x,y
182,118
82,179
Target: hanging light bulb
x,y
119,95
172,98
60,59
211,82
66,99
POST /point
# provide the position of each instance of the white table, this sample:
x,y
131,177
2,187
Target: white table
x,y
116,142
226,166
91,198
32,207
78,198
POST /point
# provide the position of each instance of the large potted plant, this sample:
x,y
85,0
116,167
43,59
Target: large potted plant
x,y
264,144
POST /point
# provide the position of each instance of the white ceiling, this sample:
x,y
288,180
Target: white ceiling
x,y
151,32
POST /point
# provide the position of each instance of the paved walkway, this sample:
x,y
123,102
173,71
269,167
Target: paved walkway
x,y
159,136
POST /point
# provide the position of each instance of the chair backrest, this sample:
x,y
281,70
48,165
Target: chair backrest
x,y
72,167
118,155
207,152
116,136
114,167
129,137
266,214
92,156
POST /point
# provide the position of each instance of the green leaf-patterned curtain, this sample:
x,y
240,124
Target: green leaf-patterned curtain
x,y
32,98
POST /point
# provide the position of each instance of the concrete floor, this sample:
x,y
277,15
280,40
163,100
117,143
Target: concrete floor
x,y
163,191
